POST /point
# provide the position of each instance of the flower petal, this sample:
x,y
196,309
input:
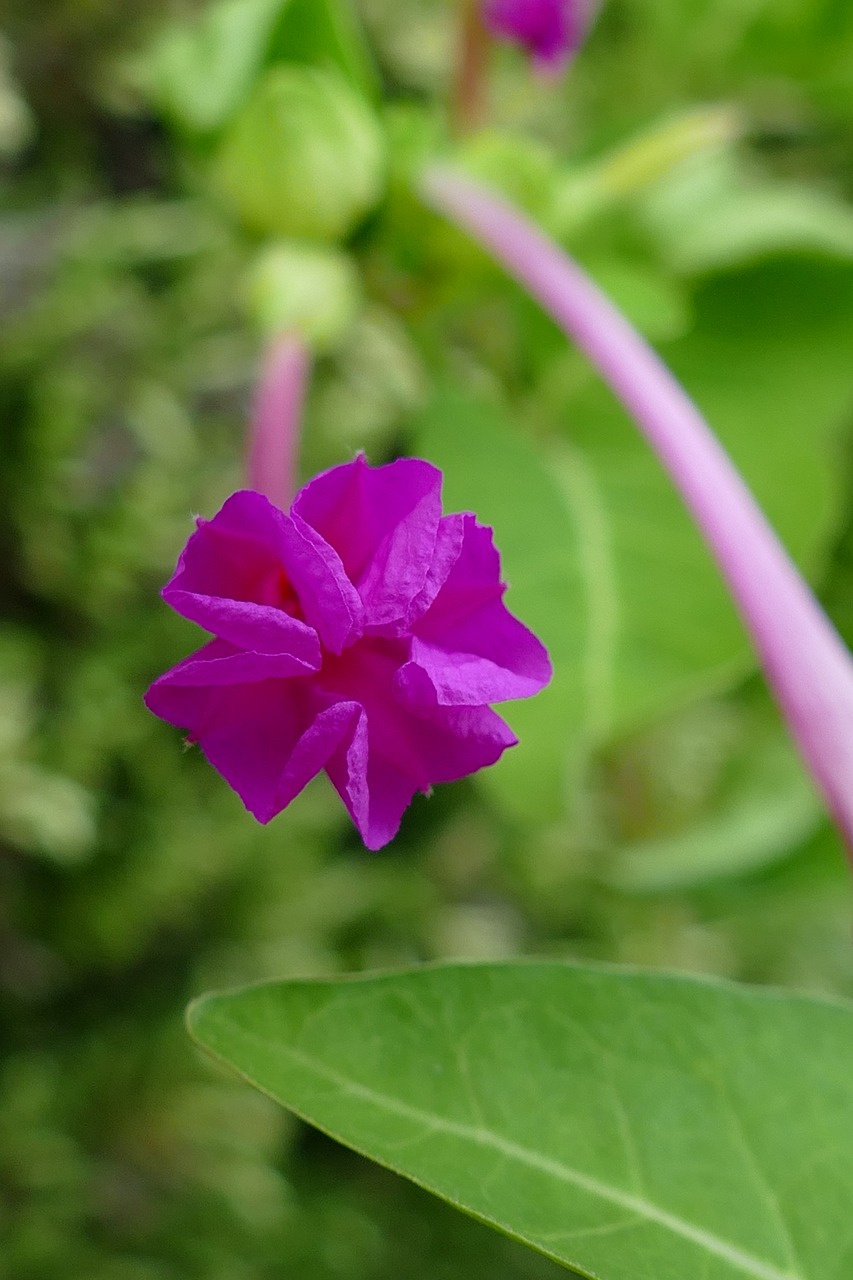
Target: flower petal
x,y
267,740
376,793
383,522
231,580
220,663
468,644
458,741
448,544
551,30
395,750
329,601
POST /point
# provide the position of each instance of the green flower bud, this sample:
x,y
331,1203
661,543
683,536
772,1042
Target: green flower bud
x,y
304,157
309,288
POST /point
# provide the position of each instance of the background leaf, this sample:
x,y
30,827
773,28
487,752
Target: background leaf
x,y
517,494
767,361
764,805
200,71
710,214
603,561
327,33
633,1126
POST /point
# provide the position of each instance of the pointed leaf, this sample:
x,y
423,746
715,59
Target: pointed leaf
x,y
633,1126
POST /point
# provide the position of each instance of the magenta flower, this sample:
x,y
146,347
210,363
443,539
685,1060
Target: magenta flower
x,y
551,30
362,633
807,664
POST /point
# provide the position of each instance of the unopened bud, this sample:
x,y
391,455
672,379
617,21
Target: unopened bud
x,y
311,289
304,157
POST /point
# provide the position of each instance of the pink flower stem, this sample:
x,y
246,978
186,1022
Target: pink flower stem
x,y
806,662
276,420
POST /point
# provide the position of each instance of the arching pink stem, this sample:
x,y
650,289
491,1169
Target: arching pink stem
x,y
806,663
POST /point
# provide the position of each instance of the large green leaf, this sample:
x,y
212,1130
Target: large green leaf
x,y
631,1126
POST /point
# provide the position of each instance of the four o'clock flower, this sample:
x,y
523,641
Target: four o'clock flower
x,y
551,30
361,631
806,662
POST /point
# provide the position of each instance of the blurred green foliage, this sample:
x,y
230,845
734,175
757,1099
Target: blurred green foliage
x,y
655,812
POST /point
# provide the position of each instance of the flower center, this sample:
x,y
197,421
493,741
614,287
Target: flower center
x,y
286,597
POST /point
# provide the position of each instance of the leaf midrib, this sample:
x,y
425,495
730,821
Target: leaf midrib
x,y
747,1263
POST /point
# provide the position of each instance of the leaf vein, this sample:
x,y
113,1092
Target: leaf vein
x,y
739,1259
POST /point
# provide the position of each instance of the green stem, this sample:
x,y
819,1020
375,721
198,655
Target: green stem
x,y
470,105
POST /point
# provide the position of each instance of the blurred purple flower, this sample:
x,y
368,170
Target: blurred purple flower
x,y
806,662
551,30
362,633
